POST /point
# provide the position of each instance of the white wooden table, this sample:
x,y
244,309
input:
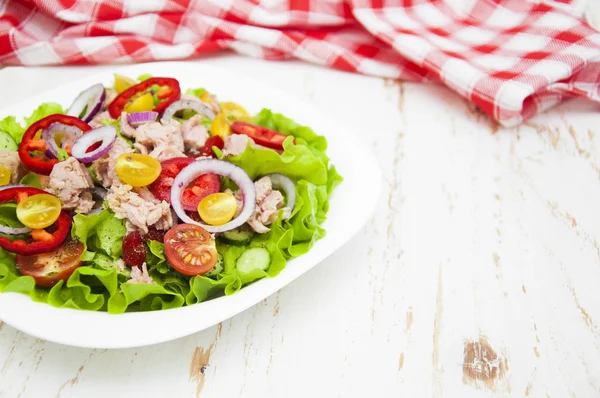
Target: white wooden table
x,y
481,234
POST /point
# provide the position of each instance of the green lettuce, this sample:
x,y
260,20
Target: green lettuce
x,y
16,130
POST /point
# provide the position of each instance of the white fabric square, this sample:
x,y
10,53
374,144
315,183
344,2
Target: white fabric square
x,y
511,95
398,17
264,37
430,15
161,51
184,34
38,54
585,53
372,21
89,45
445,43
140,24
415,48
504,18
554,20
460,75
525,42
495,62
371,67
259,15
474,35
551,69
138,7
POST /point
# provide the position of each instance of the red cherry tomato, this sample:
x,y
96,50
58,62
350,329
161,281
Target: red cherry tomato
x,y
192,194
49,268
215,140
190,249
261,135
134,251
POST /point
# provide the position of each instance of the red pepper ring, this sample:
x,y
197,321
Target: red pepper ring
x,y
30,143
170,94
29,247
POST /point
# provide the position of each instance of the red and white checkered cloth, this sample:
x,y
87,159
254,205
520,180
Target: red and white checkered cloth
x,y
512,58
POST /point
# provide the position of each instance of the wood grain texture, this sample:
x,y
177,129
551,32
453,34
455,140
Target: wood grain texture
x,y
481,233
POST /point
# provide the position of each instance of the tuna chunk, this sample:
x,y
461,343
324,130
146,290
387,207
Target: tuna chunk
x,y
139,207
140,275
11,160
161,141
97,120
194,133
268,203
236,144
70,181
105,166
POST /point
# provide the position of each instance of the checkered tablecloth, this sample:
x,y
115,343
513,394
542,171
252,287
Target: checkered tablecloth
x,y
511,58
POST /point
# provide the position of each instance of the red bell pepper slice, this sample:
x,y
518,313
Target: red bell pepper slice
x,y
60,230
261,135
168,95
42,165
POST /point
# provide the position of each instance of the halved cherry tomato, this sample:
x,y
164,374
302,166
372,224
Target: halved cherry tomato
x,y
49,268
142,103
261,135
40,163
230,112
29,246
122,83
118,104
193,193
217,208
5,175
39,211
137,170
134,251
190,249
215,140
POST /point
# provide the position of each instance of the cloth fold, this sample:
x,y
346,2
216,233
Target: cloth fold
x,y
512,58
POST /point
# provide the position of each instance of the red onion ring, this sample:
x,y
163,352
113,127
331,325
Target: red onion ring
x,y
279,181
138,118
198,106
220,167
105,134
14,231
49,134
90,99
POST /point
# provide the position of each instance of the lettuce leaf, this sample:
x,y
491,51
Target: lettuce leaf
x,y
102,231
16,130
195,91
31,179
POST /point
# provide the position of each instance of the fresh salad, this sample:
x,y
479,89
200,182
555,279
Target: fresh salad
x,y
140,197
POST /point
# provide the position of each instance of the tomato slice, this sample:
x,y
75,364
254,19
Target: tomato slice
x,y
5,175
261,135
137,170
190,249
192,194
217,208
134,251
39,211
49,268
215,140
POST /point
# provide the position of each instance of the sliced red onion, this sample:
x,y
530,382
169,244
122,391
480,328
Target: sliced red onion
x,y
49,134
198,106
279,181
220,167
14,231
91,99
3,187
138,118
105,134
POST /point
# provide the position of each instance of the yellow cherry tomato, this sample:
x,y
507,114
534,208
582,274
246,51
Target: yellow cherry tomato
x,y
205,97
235,112
142,103
230,112
137,170
217,208
122,83
4,175
220,126
39,211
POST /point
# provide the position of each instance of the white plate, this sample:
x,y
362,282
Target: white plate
x,y
351,205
